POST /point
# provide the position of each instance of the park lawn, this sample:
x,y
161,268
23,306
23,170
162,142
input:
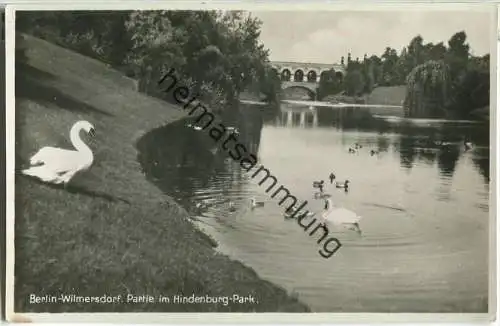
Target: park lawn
x,y
111,232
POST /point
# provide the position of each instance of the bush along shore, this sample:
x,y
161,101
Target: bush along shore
x,y
111,232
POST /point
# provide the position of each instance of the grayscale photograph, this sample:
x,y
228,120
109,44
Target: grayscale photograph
x,y
328,161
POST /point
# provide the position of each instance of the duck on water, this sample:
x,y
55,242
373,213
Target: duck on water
x,y
343,185
255,204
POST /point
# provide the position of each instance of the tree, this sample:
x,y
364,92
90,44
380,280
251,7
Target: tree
x,y
354,83
435,52
328,84
416,51
389,63
369,77
472,89
457,54
427,89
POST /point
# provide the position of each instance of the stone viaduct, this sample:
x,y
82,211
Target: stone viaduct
x,y
305,75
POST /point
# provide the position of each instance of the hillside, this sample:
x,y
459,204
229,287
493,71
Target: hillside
x,y
390,95
112,232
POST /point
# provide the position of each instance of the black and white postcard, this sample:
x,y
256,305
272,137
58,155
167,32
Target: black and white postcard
x,y
278,159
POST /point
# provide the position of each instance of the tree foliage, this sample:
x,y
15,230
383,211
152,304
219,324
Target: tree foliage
x,y
354,82
427,89
329,83
218,53
441,80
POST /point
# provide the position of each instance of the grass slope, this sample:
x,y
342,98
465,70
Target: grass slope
x,y
385,95
389,95
112,232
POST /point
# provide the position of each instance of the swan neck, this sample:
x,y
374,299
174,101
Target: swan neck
x,y
77,142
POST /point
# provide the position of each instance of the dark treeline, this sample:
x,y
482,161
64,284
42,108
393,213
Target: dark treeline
x,y
441,81
216,53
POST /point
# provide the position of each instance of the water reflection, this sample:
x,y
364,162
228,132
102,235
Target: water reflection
x,y
418,191
181,160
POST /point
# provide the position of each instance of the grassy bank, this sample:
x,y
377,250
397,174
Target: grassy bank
x,y
112,232
388,95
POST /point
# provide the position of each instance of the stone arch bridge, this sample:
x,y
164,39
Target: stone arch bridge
x,y
305,75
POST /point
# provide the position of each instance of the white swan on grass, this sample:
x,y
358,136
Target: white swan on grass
x,y
339,216
57,165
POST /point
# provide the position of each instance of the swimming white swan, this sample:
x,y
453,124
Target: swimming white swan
x,y
339,216
255,203
57,165
468,145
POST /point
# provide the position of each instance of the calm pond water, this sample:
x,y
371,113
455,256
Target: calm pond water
x,y
424,241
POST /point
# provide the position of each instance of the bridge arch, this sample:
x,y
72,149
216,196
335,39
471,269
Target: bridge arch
x,y
285,74
304,72
323,74
311,88
312,76
298,76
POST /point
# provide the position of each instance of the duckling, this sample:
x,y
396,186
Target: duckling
x,y
442,143
189,125
321,188
233,130
321,195
352,150
343,185
255,203
316,184
373,152
468,145
201,207
332,177
232,208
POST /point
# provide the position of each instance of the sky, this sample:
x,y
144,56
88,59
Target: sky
x,y
324,37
